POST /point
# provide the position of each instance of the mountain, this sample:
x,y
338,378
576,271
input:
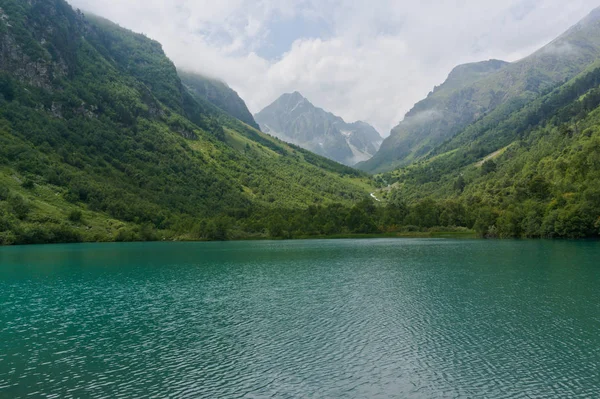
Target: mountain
x,y
475,90
529,171
527,168
219,94
294,119
100,140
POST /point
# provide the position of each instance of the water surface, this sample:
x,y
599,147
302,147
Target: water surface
x,y
312,319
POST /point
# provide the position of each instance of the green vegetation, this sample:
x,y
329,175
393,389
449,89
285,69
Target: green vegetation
x,y
218,94
474,91
100,141
534,173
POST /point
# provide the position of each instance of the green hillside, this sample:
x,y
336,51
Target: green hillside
x,y
529,171
219,94
473,91
101,141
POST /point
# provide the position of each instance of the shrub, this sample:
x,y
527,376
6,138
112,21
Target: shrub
x,y
20,206
4,193
28,184
75,216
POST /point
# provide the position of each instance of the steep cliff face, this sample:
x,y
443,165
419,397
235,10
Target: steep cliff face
x,y
294,119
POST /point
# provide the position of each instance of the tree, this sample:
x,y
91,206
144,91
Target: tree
x,y
424,213
538,188
485,222
4,193
218,229
20,206
359,222
460,184
488,166
75,216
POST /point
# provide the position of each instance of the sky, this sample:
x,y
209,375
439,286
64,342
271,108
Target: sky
x,y
369,60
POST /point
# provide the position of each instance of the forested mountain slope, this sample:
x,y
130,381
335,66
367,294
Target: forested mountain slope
x,y
473,91
530,171
100,140
218,94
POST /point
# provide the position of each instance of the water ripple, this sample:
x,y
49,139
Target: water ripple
x,y
316,319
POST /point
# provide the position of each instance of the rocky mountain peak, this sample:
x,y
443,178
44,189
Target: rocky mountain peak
x,y
294,119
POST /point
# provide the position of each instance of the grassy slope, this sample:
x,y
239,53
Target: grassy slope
x,y
114,134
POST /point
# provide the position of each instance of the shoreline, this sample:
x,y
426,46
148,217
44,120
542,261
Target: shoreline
x,y
458,235
432,235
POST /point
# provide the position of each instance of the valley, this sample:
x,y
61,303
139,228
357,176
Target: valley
x,y
104,139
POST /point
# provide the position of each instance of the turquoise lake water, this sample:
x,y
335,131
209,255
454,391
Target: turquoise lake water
x,y
378,318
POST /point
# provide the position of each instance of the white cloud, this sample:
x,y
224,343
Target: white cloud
x,y
381,57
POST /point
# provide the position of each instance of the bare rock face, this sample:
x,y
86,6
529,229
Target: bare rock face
x,y
14,60
294,119
41,62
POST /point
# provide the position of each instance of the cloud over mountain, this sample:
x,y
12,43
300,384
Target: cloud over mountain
x,y
361,60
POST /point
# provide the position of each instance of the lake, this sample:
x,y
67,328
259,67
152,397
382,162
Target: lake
x,y
384,318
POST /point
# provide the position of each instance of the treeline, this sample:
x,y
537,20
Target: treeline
x,y
529,214
527,217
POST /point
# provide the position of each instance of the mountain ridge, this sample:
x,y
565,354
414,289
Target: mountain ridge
x,y
100,140
451,108
219,94
528,170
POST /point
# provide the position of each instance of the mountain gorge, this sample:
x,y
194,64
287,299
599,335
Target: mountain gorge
x,y
533,172
525,167
293,119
